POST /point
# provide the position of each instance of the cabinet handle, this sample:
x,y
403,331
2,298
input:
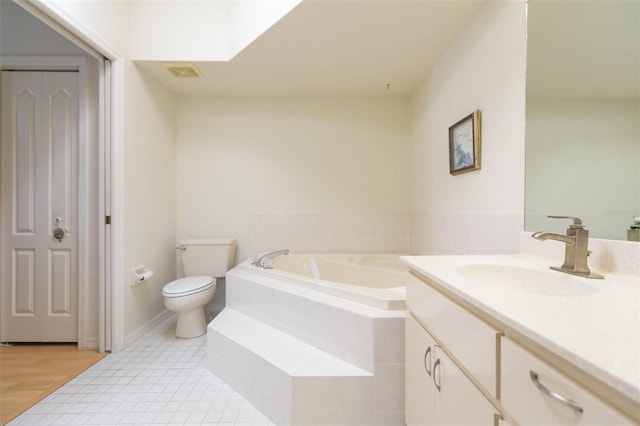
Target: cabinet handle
x,y
427,353
435,366
553,395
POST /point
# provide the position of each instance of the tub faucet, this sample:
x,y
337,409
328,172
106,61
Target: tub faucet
x,y
576,248
263,260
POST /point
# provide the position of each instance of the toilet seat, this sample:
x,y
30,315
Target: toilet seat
x,y
187,286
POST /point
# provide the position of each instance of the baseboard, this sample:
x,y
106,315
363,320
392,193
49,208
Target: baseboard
x,y
146,327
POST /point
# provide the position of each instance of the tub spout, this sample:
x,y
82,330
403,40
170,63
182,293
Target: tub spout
x,y
263,260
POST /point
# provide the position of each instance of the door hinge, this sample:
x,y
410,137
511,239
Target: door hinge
x,y
107,220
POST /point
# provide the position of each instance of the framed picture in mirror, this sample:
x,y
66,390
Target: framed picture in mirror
x,y
464,144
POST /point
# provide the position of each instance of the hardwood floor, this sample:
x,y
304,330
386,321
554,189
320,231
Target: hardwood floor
x,y
30,372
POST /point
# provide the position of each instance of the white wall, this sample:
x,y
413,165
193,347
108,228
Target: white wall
x,y
187,30
310,174
591,145
484,68
169,31
149,177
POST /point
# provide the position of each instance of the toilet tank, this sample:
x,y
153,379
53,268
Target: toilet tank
x,y
212,257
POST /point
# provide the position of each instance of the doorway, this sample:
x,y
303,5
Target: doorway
x,y
29,39
40,198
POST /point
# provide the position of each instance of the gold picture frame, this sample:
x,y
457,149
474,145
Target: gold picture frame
x,y
464,144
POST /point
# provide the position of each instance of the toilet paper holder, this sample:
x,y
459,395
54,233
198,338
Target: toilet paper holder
x,y
140,274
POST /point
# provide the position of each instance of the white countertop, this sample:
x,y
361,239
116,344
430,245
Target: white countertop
x,y
593,324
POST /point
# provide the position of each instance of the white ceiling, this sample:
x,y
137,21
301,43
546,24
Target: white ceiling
x,y
357,47
335,47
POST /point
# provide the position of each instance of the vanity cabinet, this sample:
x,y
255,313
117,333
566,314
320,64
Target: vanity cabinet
x,y
472,342
451,359
533,393
504,346
438,392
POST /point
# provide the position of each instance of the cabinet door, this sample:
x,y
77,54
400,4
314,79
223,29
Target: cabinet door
x,y
458,401
533,393
418,375
471,341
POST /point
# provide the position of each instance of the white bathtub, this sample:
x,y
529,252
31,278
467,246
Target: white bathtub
x,y
376,280
296,346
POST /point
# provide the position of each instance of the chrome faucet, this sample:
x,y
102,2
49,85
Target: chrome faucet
x,y
576,248
263,260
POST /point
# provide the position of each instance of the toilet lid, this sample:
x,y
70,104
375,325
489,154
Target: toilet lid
x,y
187,286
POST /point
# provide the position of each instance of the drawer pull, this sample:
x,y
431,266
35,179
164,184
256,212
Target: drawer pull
x,y
553,395
435,366
427,353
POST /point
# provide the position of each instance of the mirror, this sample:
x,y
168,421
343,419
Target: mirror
x,y
583,115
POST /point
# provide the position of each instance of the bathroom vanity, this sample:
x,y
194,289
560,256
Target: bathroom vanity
x,y
505,340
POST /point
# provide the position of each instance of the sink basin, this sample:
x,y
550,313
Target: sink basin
x,y
528,280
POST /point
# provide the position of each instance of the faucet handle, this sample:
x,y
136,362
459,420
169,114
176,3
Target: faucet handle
x,y
577,222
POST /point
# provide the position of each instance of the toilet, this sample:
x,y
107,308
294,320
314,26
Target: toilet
x,y
203,260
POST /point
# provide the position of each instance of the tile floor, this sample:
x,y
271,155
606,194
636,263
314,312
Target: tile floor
x,y
158,380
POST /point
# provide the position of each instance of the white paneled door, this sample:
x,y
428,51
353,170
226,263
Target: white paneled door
x,y
39,267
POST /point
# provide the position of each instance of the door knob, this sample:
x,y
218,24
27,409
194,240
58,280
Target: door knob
x,y
59,232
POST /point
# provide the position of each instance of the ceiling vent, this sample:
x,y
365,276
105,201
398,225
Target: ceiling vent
x,y
183,70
